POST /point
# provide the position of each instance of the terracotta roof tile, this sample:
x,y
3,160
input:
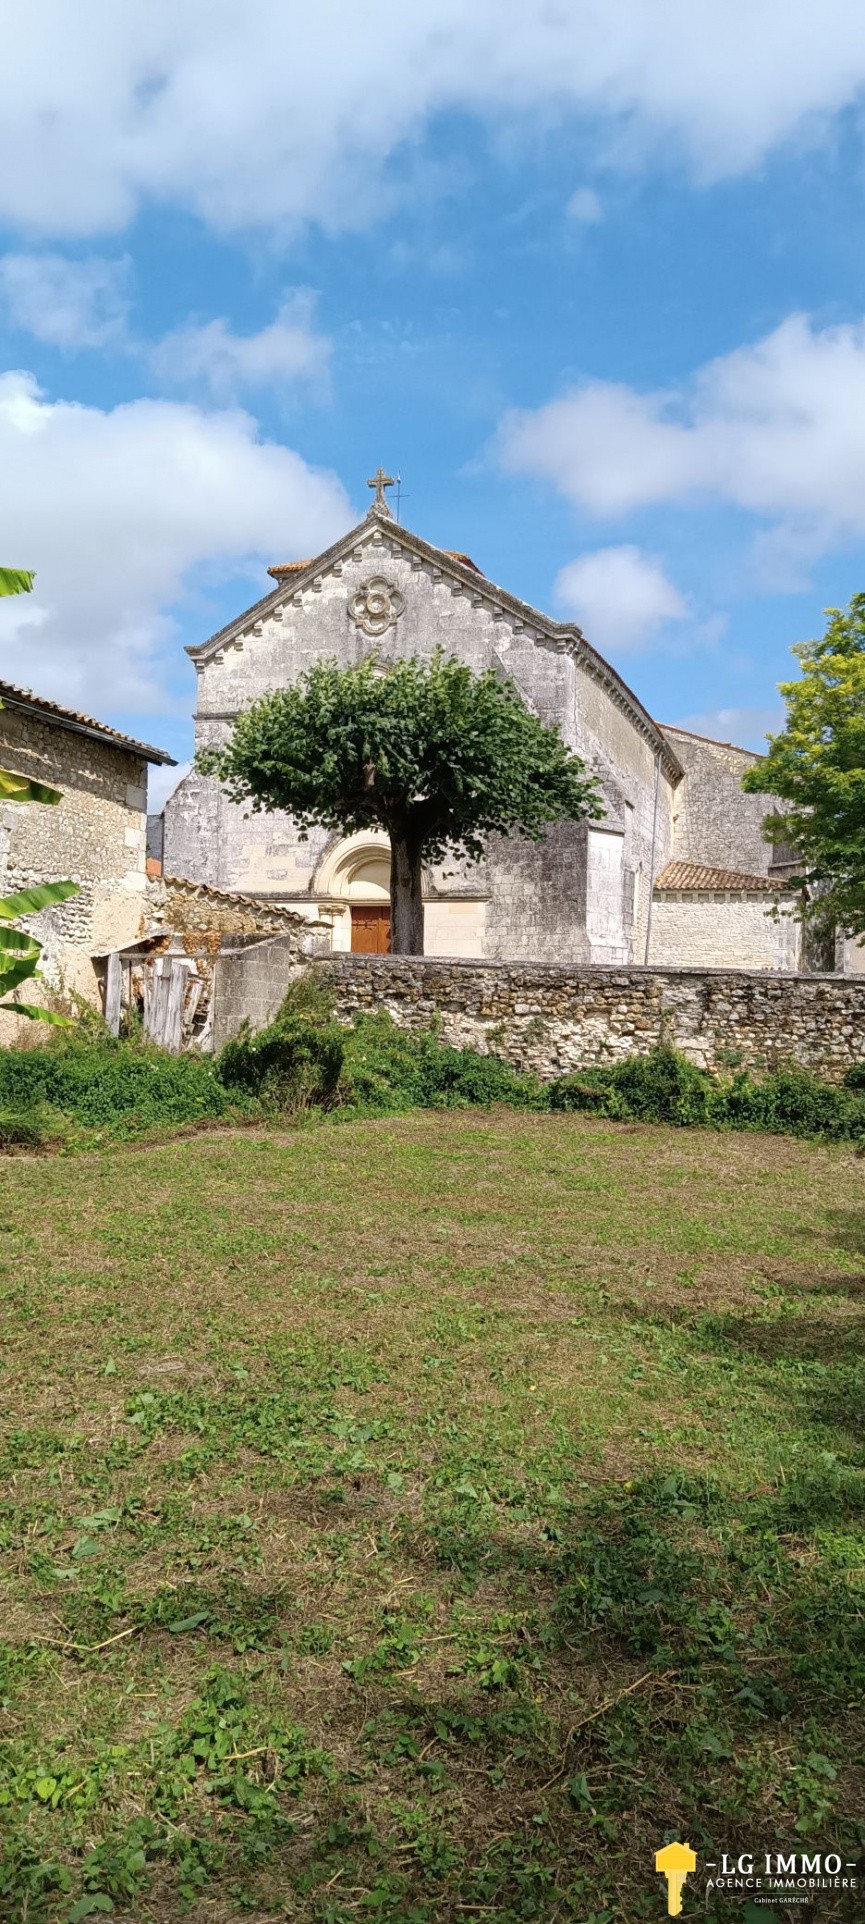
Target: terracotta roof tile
x,y
69,718
693,876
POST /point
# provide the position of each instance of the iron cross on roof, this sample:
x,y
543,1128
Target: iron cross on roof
x,y
380,481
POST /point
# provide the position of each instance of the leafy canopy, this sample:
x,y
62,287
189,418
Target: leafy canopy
x,y
455,754
817,767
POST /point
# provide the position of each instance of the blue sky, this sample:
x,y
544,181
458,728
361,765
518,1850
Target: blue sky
x,y
590,279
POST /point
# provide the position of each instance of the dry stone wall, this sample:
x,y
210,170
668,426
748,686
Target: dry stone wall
x,y
553,1019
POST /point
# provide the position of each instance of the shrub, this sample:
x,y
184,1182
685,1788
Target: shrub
x,y
388,1068
295,1063
110,1085
664,1087
29,1129
659,1087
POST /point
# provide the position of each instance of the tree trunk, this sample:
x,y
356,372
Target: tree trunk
x,y
406,894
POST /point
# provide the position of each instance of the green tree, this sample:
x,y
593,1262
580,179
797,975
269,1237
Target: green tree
x,y
20,951
438,756
817,767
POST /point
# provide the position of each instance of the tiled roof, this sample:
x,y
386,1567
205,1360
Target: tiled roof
x,y
281,568
14,697
692,875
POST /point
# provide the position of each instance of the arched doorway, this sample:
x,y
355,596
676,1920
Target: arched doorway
x,y
357,873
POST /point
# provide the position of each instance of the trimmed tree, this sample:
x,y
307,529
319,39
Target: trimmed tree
x,y
817,767
439,757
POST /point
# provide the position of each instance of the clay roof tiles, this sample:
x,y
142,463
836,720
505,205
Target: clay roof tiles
x,y
691,876
24,698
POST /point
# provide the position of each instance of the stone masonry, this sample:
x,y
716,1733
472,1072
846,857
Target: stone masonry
x,y
94,836
552,1020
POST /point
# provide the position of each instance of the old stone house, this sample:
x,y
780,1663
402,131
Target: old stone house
x,y
94,836
677,872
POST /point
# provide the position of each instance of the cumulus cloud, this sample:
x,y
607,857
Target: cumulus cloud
x,y
67,303
773,428
287,351
619,596
114,508
275,115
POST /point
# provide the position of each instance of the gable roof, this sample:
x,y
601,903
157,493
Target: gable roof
x,y
295,576
52,711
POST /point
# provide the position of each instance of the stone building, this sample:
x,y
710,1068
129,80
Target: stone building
x,y
676,871
94,836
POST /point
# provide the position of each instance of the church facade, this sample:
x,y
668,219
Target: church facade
x,y
676,872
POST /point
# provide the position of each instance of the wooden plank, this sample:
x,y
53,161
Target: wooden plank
x,y
113,989
178,970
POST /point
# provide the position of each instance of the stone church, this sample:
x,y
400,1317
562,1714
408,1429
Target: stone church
x,y
677,871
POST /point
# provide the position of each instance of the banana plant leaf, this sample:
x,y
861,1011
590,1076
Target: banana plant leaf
x,y
13,973
36,1014
19,941
30,901
16,581
19,788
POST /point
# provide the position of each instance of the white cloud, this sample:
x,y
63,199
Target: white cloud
x,y
286,351
744,727
585,207
162,782
113,509
773,428
68,303
267,114
619,596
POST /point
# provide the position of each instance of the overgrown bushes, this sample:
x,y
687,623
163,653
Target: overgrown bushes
x,y
306,1060
107,1085
664,1087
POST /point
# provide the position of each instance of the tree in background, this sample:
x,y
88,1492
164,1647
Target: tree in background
x,y
20,951
817,767
437,756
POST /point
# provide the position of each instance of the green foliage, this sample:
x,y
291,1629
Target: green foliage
x,y
16,581
346,747
817,767
439,757
664,1087
293,1064
36,1128
111,1086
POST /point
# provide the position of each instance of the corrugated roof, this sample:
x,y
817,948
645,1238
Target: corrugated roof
x,y
693,875
14,697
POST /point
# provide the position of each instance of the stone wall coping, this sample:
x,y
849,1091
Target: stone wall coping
x,y
583,972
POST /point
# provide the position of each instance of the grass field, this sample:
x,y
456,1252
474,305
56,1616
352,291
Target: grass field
x,y
424,1519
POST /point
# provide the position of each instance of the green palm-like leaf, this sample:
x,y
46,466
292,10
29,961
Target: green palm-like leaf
x,y
16,581
18,942
13,973
20,788
36,1014
30,901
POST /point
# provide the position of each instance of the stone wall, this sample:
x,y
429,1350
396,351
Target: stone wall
x,y
714,821
94,836
727,929
554,1019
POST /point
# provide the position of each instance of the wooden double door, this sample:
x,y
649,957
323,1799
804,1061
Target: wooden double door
x,y
370,928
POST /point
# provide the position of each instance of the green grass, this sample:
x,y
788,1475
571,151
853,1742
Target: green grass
x,y
423,1519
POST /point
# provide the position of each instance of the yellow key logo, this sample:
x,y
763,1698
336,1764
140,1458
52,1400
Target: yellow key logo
x,y
674,1862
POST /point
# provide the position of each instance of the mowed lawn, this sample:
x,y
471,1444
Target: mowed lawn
x,y
423,1519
